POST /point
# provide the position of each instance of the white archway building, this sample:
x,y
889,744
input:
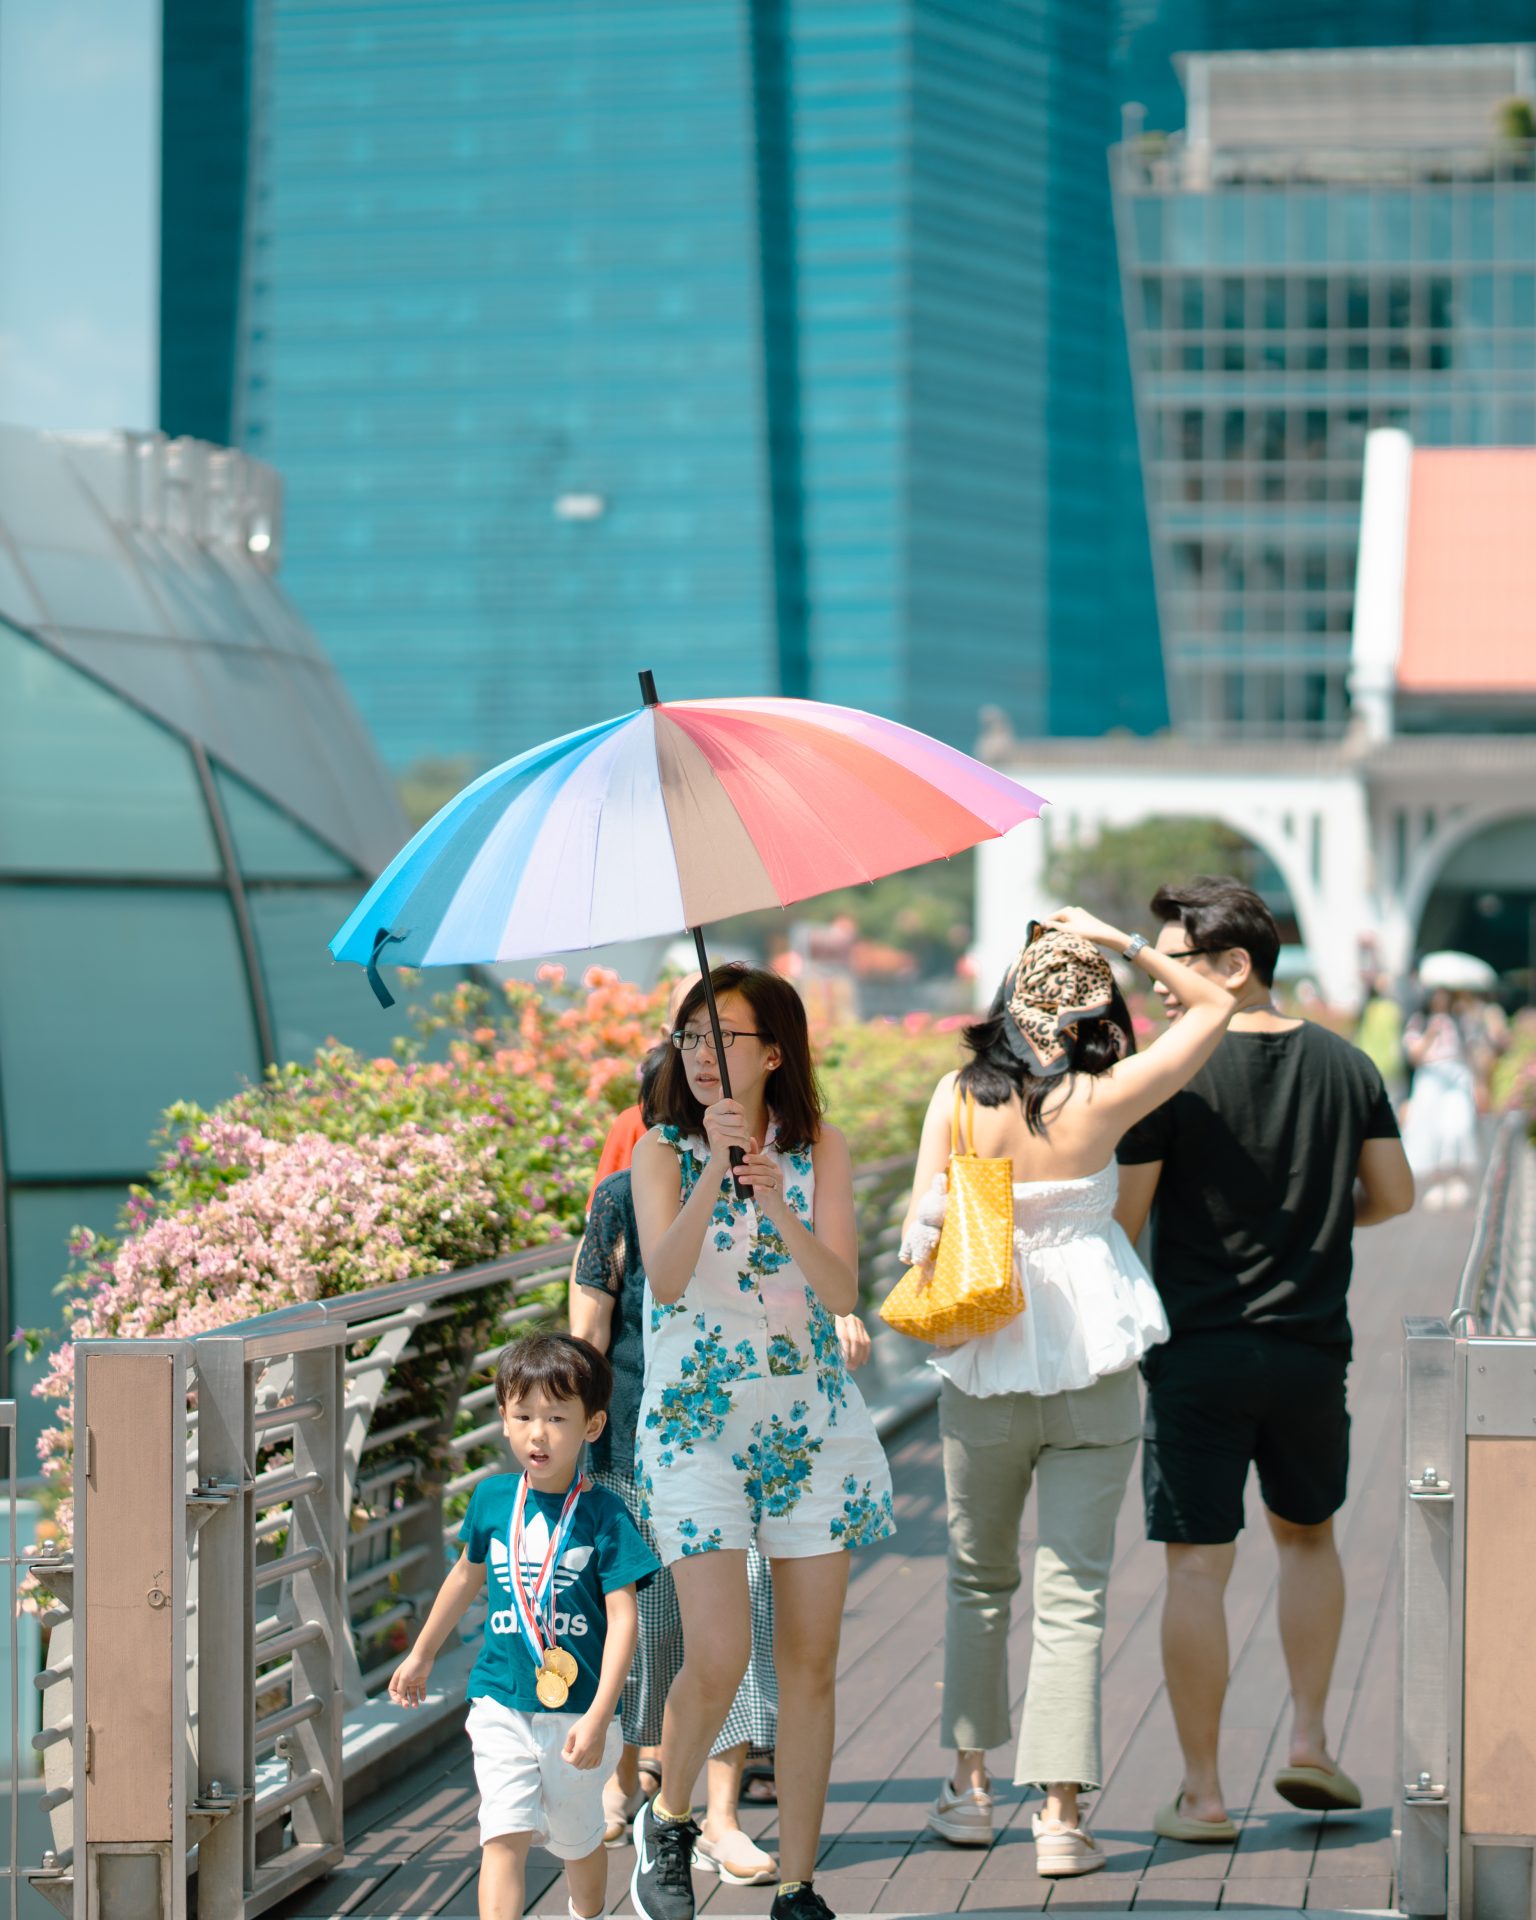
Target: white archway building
x,y
1442,743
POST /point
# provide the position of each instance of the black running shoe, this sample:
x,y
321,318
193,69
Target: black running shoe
x,y
804,1903
661,1885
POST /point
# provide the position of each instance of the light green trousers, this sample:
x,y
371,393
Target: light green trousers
x,y
1077,1449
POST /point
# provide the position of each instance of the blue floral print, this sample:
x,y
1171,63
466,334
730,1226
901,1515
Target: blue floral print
x,y
784,1357
694,1407
866,1516
696,1542
831,1370
777,1463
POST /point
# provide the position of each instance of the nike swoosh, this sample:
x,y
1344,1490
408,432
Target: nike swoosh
x,y
642,1849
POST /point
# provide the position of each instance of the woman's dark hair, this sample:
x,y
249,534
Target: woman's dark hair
x,y
564,1366
997,1073
650,1076
1219,913
793,1095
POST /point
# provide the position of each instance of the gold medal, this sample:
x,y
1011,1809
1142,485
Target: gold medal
x,y
557,1660
551,1689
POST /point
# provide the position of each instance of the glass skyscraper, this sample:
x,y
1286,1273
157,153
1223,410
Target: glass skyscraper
x,y
761,342
1337,242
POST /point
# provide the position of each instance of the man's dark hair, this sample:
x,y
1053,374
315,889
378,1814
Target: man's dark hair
x,y
1219,913
565,1367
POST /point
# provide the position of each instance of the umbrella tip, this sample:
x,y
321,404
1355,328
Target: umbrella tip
x,y
648,688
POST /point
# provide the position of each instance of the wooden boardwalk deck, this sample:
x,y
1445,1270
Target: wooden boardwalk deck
x,y
412,1849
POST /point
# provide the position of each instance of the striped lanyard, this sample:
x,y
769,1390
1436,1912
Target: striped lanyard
x,y
536,1610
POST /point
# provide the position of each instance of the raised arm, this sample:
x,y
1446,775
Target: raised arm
x,y
1139,1086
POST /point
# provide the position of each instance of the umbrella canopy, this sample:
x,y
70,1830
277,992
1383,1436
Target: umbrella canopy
x,y
670,817
1459,972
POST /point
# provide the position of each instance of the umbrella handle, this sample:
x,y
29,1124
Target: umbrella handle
x,y
743,1192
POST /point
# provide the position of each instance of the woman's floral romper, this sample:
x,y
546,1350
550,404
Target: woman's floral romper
x,y
749,1422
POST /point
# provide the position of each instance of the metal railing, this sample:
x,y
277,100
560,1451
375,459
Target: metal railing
x,y
261,1512
1466,1827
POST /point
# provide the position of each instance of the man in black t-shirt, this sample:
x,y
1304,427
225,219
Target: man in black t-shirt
x,y
1255,1177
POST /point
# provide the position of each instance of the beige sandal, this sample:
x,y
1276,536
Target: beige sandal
x,y
1318,1789
619,1810
1170,1824
740,1861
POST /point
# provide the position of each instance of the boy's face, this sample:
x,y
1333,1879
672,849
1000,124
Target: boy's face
x,y
546,1436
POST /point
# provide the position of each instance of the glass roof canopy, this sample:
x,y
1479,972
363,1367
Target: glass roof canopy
x,y
189,806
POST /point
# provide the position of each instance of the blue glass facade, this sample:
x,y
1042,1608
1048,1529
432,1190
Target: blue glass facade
x,y
797,303
189,808
505,342
204,62
1282,303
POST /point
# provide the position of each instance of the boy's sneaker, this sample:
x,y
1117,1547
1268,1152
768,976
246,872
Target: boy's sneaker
x,y
661,1885
1062,1851
963,1819
801,1902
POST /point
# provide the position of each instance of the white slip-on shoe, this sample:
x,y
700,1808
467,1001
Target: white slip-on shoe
x,y
1061,1851
963,1819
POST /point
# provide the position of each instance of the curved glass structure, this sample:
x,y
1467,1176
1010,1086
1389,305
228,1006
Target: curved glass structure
x,y
189,806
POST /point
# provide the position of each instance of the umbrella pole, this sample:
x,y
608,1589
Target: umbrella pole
x,y
737,1156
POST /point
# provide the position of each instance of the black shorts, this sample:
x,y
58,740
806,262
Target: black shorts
x,y
1216,1401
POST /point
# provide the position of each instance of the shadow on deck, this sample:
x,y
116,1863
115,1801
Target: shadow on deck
x,y
412,1848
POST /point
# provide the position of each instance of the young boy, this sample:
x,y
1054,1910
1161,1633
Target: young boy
x,y
564,1560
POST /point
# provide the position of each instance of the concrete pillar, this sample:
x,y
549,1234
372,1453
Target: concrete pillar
x,y
1010,891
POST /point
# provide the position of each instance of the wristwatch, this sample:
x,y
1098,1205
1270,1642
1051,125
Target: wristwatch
x,y
1137,942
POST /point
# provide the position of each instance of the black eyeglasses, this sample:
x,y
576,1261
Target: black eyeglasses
x,y
687,1042
1189,953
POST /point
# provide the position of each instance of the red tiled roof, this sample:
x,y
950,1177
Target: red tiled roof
x,y
1469,596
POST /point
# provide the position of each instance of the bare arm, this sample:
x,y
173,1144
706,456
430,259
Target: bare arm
x,y
591,1315
1139,1086
671,1231
1384,1183
584,1743
1138,1189
933,1147
408,1682
828,1252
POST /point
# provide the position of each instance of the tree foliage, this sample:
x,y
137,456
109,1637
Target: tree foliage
x,y
1116,875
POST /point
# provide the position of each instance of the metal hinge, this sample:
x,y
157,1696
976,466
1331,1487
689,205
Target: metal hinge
x,y
90,1750
1430,1486
1424,1792
90,1453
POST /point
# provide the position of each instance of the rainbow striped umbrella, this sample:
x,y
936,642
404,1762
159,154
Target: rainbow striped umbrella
x,y
668,818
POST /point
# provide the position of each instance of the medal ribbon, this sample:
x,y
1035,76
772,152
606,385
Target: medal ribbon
x,y
537,1609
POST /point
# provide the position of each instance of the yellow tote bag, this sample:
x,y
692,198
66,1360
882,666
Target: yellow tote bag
x,y
974,1287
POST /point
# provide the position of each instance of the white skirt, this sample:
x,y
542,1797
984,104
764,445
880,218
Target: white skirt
x,y
1090,1309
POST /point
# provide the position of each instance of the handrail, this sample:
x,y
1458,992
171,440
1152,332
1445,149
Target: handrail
x,y
324,1452
1485,1254
401,1297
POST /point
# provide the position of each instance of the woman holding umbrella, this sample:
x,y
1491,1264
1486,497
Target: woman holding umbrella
x,y
750,1427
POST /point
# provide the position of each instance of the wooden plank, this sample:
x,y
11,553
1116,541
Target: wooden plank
x,y
1499,1687
1349,1896
131,1694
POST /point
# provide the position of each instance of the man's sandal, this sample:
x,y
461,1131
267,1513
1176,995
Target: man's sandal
x,y
1170,1824
1318,1789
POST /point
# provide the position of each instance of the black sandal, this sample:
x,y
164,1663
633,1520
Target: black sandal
x,y
758,1786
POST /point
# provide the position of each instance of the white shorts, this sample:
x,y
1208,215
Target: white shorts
x,y
779,1470
526,1787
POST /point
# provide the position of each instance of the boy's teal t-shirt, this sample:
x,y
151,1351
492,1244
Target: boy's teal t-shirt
x,y
604,1551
